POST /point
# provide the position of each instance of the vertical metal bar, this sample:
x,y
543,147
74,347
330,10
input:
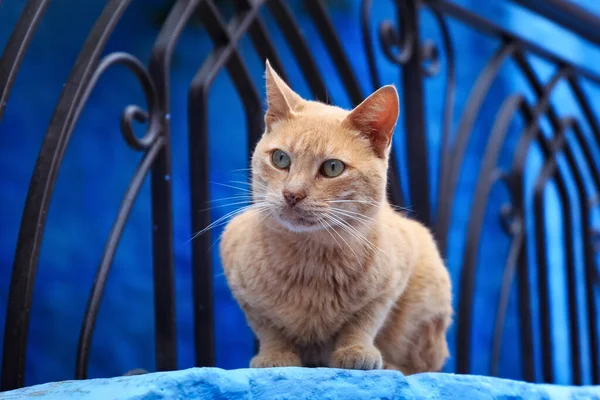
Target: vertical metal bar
x,y
576,356
588,253
162,202
525,314
542,269
414,121
225,54
201,258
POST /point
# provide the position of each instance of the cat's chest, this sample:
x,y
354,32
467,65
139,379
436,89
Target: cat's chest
x,y
309,299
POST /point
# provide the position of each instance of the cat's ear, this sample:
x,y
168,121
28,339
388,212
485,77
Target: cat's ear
x,y
281,100
376,118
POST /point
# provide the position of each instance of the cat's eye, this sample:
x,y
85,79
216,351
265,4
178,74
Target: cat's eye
x,y
332,168
280,159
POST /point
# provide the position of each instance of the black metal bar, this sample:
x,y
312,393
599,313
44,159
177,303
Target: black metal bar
x,y
568,15
592,120
336,50
39,194
299,47
414,120
226,55
229,36
394,181
365,20
17,45
91,312
450,176
474,229
448,113
580,95
260,39
201,258
403,48
516,248
531,133
588,252
162,202
524,302
485,26
549,171
589,258
145,142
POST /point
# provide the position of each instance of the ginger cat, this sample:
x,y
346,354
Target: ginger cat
x,y
327,273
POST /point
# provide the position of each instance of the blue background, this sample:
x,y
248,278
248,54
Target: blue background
x,y
98,165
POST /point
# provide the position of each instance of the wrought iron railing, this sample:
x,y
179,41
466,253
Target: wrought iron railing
x,y
417,59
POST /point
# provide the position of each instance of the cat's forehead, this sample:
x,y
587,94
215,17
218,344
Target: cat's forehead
x,y
313,135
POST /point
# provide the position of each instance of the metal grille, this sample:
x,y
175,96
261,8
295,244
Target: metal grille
x,y
417,60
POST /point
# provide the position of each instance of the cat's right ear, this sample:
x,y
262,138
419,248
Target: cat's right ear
x,y
282,101
376,118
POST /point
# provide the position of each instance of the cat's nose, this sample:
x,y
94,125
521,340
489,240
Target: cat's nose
x,y
292,198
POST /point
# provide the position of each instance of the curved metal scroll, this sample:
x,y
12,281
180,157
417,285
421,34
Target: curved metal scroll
x,y
148,142
81,81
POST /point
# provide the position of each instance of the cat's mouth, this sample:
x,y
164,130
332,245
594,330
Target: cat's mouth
x,y
297,221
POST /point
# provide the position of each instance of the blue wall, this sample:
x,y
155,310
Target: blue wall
x,y
98,166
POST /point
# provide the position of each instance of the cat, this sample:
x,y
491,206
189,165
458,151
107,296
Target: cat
x,y
326,271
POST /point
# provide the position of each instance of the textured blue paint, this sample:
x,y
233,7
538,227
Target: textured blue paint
x,y
98,166
299,383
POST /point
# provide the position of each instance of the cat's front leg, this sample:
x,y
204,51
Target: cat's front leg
x,y
275,352
355,348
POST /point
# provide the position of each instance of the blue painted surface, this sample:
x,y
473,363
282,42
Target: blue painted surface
x,y
98,166
300,383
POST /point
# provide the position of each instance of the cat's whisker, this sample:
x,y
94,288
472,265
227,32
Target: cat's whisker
x,y
259,184
326,227
358,216
370,201
353,201
397,208
241,170
259,210
247,183
357,235
236,203
230,186
240,197
332,218
222,220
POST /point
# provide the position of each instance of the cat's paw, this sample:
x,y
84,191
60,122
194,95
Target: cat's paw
x,y
275,359
358,356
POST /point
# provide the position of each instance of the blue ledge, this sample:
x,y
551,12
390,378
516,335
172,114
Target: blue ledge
x,y
298,383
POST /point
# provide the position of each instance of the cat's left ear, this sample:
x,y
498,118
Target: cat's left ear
x,y
376,118
282,101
